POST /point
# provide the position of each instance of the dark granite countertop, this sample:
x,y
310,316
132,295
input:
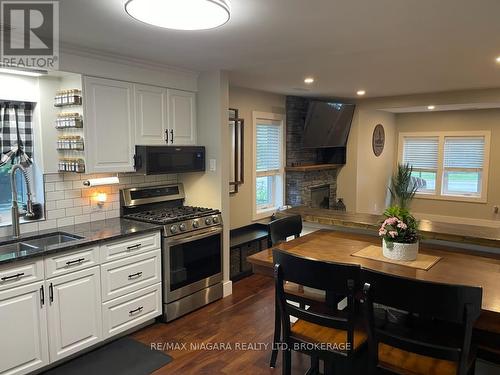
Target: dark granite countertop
x,y
92,233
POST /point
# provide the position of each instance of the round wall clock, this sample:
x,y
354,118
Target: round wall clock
x,y
378,140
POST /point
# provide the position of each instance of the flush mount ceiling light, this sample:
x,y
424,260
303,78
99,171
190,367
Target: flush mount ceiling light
x,y
361,92
309,80
180,14
431,107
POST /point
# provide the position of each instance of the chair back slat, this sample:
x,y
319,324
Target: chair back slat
x,y
337,278
340,279
281,229
441,301
428,313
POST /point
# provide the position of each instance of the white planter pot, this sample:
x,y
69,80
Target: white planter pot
x,y
400,251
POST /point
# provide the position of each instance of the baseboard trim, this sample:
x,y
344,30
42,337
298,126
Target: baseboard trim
x,y
227,288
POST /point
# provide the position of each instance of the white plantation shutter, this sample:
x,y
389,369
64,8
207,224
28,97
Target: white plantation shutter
x,y
421,152
464,152
268,150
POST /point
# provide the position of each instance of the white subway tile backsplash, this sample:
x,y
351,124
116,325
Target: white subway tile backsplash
x,y
50,186
97,216
64,185
54,177
65,203
72,177
75,211
56,214
82,219
54,196
47,224
69,202
77,202
72,194
65,221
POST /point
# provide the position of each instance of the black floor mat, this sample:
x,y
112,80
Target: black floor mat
x,y
124,356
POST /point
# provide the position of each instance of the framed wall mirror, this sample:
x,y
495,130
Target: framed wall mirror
x,y
236,134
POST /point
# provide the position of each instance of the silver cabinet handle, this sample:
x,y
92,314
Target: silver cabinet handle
x,y
134,275
139,309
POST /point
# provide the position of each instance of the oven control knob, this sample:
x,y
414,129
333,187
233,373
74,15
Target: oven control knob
x,y
182,227
196,223
208,221
215,219
173,229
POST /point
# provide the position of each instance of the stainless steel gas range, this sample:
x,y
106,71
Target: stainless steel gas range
x,y
191,245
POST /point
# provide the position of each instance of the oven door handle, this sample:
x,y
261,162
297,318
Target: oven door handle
x,y
193,237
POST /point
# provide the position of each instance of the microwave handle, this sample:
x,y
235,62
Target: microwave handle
x,y
137,161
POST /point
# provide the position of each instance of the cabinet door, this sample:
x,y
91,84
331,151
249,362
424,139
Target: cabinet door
x,y
182,117
151,115
109,125
23,329
74,313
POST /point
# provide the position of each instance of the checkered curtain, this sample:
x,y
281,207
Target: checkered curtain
x,y
16,133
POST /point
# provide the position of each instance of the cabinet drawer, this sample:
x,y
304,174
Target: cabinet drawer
x,y
131,310
20,273
130,246
61,264
130,274
247,250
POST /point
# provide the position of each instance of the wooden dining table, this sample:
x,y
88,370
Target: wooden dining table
x,y
456,266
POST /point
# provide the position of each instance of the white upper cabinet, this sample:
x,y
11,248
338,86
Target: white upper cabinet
x,y
109,125
181,117
151,125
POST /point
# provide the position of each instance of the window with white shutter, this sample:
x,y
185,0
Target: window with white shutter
x,y
422,154
463,166
268,163
448,165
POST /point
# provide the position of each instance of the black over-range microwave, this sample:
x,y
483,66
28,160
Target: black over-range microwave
x,y
169,159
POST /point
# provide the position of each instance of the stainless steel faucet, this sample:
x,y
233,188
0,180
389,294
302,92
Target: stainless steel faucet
x,y
16,231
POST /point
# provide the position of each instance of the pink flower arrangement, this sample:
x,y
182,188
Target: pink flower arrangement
x,y
399,226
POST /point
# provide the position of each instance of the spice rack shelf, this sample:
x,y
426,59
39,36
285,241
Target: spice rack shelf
x,y
70,144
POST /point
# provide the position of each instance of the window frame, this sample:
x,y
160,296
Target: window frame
x,y
439,193
278,190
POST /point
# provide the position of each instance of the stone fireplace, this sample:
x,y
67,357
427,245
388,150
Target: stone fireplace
x,y
311,174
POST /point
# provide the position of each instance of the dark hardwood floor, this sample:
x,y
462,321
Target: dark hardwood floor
x,y
247,316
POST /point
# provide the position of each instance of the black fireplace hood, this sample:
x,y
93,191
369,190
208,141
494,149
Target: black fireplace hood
x,y
327,124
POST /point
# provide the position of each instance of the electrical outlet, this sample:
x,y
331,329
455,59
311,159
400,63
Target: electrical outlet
x,y
495,209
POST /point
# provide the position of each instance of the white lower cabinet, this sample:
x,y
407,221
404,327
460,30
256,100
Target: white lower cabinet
x,y
47,316
74,312
23,329
130,310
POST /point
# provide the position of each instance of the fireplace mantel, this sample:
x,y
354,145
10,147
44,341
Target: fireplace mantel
x,y
312,167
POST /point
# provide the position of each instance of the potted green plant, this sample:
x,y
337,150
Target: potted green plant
x,y
400,236
403,186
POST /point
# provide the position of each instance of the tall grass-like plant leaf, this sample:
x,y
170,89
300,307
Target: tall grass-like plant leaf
x,y
403,187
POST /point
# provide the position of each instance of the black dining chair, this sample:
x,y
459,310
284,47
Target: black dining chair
x,y
281,229
424,328
327,333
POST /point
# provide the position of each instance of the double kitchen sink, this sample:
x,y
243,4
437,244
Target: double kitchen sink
x,y
38,243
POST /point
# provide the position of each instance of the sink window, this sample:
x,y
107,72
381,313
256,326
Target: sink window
x,y
16,146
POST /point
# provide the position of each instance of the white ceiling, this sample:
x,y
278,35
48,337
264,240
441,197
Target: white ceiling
x,y
387,47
